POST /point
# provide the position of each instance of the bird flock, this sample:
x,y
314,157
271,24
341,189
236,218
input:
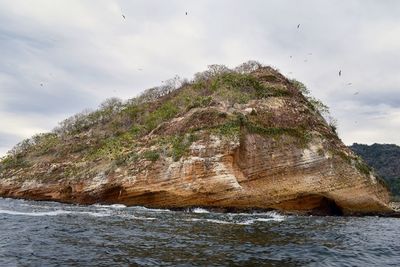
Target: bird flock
x,y
305,60
310,54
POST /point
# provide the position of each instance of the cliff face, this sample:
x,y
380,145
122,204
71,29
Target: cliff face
x,y
240,139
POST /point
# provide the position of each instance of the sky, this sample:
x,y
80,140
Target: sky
x,y
59,57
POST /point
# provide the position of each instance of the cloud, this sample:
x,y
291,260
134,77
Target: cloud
x,y
61,57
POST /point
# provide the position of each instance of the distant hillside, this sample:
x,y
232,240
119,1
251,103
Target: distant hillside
x,y
385,159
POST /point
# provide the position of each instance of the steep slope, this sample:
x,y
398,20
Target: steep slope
x,y
243,139
385,159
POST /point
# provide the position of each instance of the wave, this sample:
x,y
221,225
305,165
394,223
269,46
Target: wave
x,y
200,210
54,213
275,215
133,217
272,217
141,208
272,214
113,206
66,212
209,220
246,222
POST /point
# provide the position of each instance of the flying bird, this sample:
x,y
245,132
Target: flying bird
x,y
356,93
340,72
41,84
186,13
290,56
298,26
123,16
349,84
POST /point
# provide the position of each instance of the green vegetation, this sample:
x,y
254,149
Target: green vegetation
x,y
118,130
111,148
236,87
181,144
151,155
357,162
229,129
314,103
363,168
271,131
302,136
15,162
344,156
165,112
199,102
317,105
394,185
300,86
237,81
71,171
232,129
39,144
44,143
129,158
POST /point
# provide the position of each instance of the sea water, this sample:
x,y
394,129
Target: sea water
x,y
53,234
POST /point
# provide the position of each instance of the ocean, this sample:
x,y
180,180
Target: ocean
x,y
54,234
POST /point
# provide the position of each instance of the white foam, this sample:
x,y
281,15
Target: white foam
x,y
118,206
114,206
50,213
200,210
272,214
209,220
95,214
53,213
133,217
269,219
248,222
151,210
275,215
235,218
218,221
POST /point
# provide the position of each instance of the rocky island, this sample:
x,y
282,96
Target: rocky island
x,y
243,138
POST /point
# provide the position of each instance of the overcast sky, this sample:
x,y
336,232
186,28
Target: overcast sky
x,y
58,57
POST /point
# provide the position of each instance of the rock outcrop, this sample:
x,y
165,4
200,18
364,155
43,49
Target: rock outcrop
x,y
244,139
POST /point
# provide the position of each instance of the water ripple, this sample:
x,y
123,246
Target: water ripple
x,y
54,234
